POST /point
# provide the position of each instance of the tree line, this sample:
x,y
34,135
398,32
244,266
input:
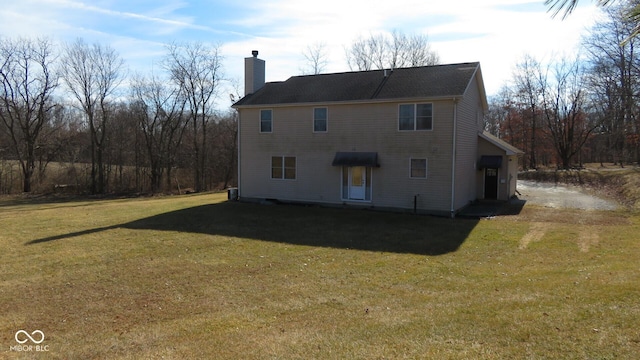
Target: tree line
x,y
377,51
67,123
569,111
73,120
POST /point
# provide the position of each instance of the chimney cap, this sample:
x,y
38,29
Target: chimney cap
x,y
254,53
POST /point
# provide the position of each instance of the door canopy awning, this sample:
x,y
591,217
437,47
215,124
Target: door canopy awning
x,y
490,162
369,159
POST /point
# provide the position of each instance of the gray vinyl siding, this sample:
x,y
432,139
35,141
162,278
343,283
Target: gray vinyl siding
x,y
351,127
468,122
512,175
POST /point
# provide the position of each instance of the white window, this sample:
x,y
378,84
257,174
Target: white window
x,y
418,168
283,167
413,117
266,121
320,119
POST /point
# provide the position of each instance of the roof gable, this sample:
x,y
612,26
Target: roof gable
x,y
501,144
402,83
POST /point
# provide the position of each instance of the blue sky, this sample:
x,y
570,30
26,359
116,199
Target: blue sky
x,y
495,32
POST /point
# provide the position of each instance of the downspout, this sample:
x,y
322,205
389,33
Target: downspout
x,y
453,157
509,181
239,153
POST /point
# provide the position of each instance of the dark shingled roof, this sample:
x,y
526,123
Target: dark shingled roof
x,y
416,82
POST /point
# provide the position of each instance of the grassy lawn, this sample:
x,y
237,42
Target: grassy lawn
x,y
196,277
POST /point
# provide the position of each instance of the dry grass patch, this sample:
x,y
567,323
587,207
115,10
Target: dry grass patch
x,y
197,277
532,213
536,232
588,237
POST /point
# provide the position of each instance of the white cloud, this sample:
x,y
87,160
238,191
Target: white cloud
x,y
495,32
505,40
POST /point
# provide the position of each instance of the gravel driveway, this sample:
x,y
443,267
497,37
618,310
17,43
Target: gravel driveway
x,y
559,196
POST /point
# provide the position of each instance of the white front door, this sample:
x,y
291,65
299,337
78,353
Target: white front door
x,y
357,182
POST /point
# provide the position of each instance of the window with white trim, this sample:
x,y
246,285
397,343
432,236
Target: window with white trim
x,y
266,121
320,119
283,167
418,168
412,117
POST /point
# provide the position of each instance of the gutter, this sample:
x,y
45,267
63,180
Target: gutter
x,y
453,157
345,102
239,153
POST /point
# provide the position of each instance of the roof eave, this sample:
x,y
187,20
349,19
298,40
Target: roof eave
x,y
350,102
509,149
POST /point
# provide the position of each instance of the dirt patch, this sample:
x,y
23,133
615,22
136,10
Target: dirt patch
x,y
538,214
549,203
559,196
587,238
535,233
608,181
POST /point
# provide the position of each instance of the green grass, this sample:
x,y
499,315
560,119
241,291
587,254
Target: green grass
x,y
196,277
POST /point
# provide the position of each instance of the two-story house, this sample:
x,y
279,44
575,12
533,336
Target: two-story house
x,y
406,138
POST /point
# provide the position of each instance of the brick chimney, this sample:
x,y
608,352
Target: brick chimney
x,y
254,75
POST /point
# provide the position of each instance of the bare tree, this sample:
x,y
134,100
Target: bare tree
x,y
529,81
50,145
565,115
315,56
27,82
498,113
228,145
159,109
197,70
390,51
614,81
92,73
73,141
358,56
411,51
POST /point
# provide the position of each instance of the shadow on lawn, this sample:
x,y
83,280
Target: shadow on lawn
x,y
308,225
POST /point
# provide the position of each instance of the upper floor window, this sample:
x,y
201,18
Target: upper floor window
x,y
320,119
266,121
415,117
